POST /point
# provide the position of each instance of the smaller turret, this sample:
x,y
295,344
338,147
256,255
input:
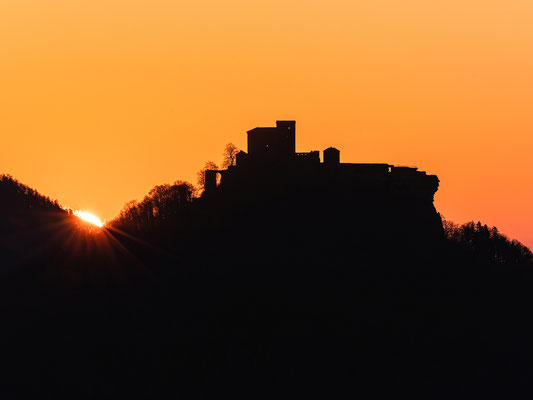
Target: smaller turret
x,y
332,156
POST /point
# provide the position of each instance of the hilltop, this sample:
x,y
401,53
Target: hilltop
x,y
287,277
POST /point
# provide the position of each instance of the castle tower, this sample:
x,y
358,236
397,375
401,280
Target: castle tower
x,y
277,142
332,156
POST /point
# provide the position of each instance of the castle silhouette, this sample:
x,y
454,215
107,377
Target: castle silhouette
x,y
272,152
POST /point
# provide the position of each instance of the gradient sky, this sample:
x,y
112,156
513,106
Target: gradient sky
x,y
101,100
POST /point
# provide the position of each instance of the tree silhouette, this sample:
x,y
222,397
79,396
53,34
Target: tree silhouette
x,y
160,207
485,244
229,154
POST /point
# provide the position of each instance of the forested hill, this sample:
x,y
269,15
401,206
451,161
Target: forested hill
x,y
27,221
282,291
18,200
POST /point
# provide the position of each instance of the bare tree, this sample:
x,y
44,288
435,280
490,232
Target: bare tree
x,y
229,155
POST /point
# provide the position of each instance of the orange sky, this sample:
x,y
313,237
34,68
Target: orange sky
x,y
101,100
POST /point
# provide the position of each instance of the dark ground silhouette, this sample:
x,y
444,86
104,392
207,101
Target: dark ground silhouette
x,y
273,285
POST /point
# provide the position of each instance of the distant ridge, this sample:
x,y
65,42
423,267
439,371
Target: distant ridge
x,y
27,220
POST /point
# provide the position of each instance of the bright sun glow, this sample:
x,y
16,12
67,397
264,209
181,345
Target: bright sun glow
x,y
89,217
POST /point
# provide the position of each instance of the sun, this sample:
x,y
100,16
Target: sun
x,y
89,217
